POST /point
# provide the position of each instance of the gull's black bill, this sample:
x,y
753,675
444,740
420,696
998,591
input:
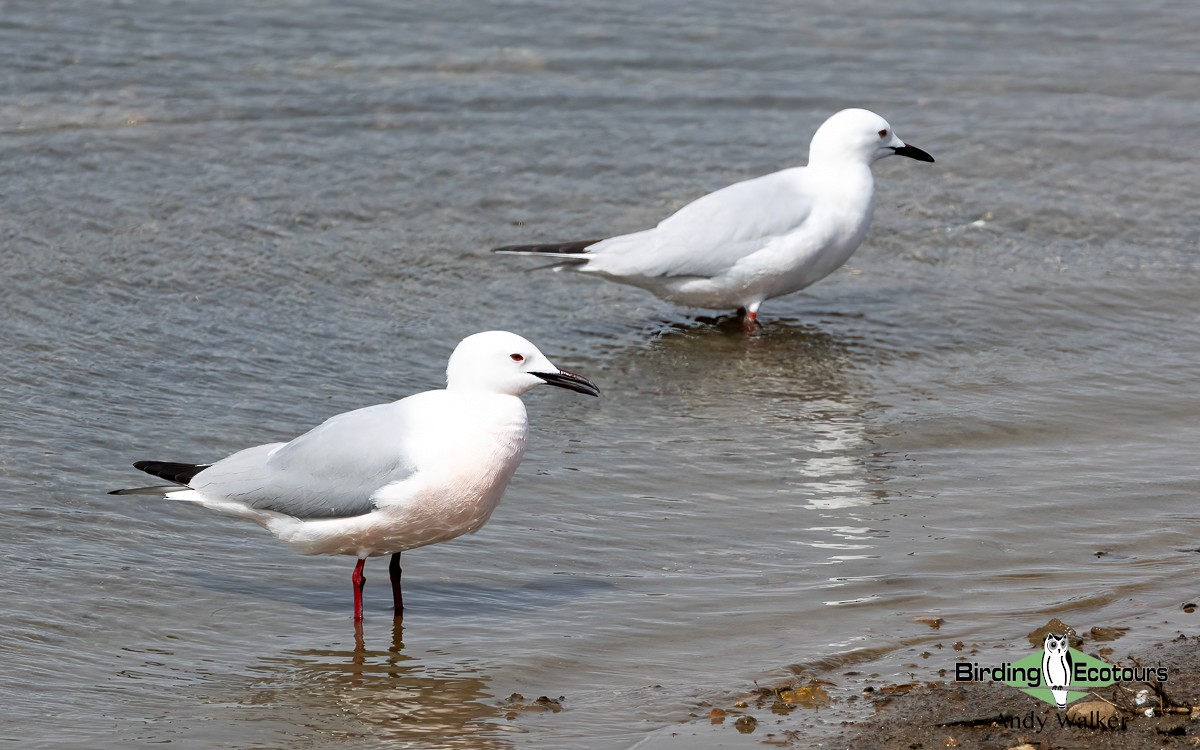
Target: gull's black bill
x,y
570,381
913,152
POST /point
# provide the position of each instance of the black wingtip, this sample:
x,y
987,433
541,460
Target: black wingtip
x,y
171,471
551,248
158,490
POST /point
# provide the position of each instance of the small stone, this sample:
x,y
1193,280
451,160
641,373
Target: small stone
x,y
933,622
950,742
1058,627
547,703
717,715
1092,712
809,696
746,724
1098,633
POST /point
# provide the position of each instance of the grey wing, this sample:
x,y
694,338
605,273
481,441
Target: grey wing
x,y
331,471
712,234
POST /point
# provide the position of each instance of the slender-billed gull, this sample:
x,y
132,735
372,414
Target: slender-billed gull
x,y
757,239
391,477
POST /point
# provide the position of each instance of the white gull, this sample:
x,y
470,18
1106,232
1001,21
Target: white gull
x,y
757,239
391,477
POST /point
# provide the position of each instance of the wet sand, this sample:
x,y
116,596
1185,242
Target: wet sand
x,y
983,715
992,715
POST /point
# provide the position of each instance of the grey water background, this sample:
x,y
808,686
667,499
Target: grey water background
x,y
221,223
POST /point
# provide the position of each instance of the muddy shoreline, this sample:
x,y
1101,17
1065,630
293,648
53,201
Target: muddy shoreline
x,y
945,713
994,715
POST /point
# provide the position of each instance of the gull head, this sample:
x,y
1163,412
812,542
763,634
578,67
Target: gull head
x,y
505,363
858,135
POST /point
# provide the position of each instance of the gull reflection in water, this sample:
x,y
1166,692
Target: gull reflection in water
x,y
380,693
795,392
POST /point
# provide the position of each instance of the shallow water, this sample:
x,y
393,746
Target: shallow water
x,y
222,223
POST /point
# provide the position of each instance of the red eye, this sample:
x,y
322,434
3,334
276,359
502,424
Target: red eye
x,y
883,134
517,357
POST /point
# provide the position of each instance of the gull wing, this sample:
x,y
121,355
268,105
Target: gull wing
x,y
331,471
712,234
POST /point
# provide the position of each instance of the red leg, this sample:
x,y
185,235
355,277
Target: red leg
x,y
397,595
358,579
750,323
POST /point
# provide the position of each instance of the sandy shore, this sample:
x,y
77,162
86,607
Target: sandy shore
x,y
987,715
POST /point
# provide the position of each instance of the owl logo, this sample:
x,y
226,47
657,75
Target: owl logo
x,y
1056,667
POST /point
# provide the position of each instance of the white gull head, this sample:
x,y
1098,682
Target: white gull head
x,y
505,363
858,136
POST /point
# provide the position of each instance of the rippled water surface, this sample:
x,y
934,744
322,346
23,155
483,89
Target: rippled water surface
x,y
222,222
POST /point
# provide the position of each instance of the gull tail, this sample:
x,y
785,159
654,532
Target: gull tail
x,y
576,251
179,473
